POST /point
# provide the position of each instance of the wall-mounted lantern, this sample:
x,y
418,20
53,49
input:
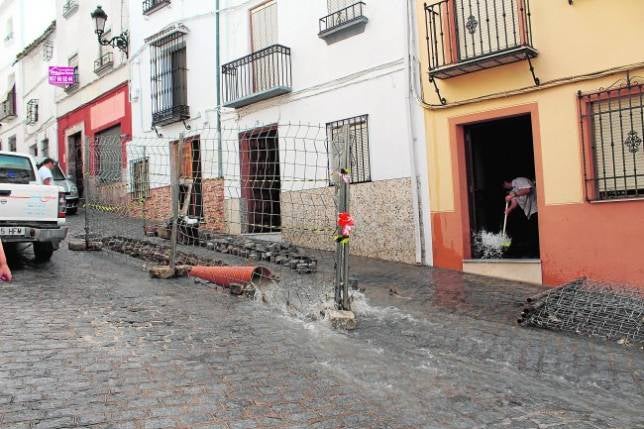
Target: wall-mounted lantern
x,y
121,41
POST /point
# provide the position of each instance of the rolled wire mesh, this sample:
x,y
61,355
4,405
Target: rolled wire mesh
x,y
260,197
589,308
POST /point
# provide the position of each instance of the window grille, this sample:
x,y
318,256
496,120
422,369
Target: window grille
x,y
48,50
140,178
44,147
12,144
359,146
32,112
169,79
614,122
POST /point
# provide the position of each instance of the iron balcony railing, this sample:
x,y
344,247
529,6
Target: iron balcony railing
x,y
150,6
469,35
104,62
69,7
8,106
74,86
171,115
258,76
343,18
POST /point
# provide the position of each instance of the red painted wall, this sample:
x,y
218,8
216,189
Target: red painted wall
x,y
83,115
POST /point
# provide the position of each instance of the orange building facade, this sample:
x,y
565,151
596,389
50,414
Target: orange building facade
x,y
550,91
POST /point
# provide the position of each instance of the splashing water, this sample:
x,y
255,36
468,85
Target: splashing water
x,y
489,245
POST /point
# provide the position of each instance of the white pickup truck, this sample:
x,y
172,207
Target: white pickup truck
x,y
30,212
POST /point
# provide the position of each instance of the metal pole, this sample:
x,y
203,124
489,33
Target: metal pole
x,y
146,167
343,147
220,162
86,171
174,178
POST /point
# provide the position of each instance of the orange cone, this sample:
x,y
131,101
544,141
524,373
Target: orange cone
x,y
225,276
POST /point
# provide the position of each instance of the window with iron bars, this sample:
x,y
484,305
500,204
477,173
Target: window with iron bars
x,y
169,80
613,124
359,146
32,112
140,178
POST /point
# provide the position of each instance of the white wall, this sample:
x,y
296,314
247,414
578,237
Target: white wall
x,y
75,35
34,71
366,73
29,20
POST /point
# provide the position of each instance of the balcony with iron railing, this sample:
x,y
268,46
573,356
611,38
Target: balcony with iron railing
x,y
69,7
170,115
73,86
151,6
261,75
8,106
104,62
350,17
464,36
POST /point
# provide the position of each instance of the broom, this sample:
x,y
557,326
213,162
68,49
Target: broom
x,y
507,241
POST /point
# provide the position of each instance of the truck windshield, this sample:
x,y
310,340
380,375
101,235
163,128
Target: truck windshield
x,y
16,169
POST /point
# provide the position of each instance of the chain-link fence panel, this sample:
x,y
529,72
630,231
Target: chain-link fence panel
x,y
589,308
265,197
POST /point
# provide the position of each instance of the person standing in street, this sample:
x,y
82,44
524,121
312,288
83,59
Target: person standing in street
x,y
44,172
5,272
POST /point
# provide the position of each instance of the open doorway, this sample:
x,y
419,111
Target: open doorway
x,y
75,161
496,151
260,180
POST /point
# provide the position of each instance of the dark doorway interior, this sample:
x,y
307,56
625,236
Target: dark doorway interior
x,y
260,180
191,178
497,150
75,161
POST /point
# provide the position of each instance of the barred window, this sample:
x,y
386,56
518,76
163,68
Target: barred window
x,y
617,130
12,144
169,79
140,178
359,145
32,111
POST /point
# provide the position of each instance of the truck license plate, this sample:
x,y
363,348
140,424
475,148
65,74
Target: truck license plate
x,y
12,231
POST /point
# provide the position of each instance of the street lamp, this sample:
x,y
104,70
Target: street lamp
x,y
121,41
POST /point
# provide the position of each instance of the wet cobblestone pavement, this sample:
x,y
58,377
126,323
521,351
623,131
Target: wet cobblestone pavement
x,y
90,341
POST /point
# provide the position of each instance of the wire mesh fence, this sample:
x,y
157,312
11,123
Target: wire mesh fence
x,y
589,308
264,197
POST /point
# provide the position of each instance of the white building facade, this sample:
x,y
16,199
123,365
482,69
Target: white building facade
x,y
38,96
292,74
20,26
97,103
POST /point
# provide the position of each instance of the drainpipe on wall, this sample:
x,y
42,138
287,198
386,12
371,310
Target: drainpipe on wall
x,y
416,182
220,161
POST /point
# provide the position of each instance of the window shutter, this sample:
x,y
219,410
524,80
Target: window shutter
x,y
264,26
617,123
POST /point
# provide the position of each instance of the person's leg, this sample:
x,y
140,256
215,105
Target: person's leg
x,y
5,272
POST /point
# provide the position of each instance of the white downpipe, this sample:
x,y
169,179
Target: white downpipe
x,y
418,221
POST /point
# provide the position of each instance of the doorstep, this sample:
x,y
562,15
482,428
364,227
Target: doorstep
x,y
522,270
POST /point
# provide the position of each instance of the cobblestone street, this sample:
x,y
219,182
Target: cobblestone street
x,y
90,341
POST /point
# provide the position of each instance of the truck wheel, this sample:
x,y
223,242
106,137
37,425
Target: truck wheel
x,y
43,251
